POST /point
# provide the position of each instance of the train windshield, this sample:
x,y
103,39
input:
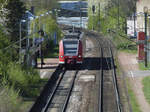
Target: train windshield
x,y
70,48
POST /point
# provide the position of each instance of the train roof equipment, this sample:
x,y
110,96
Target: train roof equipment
x,y
73,34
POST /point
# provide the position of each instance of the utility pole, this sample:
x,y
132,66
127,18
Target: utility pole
x,y
134,20
93,10
27,42
118,15
146,39
80,16
99,16
145,15
20,35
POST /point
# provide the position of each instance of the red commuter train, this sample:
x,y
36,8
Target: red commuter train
x,y
70,51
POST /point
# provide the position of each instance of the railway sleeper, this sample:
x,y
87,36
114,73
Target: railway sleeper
x,y
62,94
62,88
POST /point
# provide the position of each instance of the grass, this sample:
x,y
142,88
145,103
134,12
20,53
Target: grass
x,y
131,48
142,66
129,51
146,88
133,100
118,67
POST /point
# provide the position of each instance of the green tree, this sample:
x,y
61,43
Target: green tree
x,y
41,4
4,40
112,19
16,10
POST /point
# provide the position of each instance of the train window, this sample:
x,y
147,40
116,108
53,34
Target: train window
x,y
70,47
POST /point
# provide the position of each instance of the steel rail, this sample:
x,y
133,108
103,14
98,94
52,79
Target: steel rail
x,y
64,107
102,79
100,101
69,93
115,83
42,99
100,92
53,93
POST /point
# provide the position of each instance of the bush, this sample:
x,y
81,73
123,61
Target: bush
x,y
23,79
17,76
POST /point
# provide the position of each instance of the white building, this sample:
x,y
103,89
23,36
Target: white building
x,y
130,27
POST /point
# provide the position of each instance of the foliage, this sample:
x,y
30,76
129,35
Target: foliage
x,y
126,6
17,81
8,53
52,50
111,23
108,20
2,3
41,4
10,101
47,24
4,57
16,10
22,79
146,88
4,39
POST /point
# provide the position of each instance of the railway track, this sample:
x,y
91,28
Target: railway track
x,y
47,90
56,93
60,97
109,100
109,94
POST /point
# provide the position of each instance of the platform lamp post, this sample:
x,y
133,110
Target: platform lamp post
x,y
20,37
145,17
93,10
118,14
27,40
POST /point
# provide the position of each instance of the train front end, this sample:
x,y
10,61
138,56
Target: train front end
x,y
70,52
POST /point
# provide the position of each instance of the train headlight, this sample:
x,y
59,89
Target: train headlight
x,y
79,56
61,56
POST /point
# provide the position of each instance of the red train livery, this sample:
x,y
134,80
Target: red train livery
x,y
70,51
